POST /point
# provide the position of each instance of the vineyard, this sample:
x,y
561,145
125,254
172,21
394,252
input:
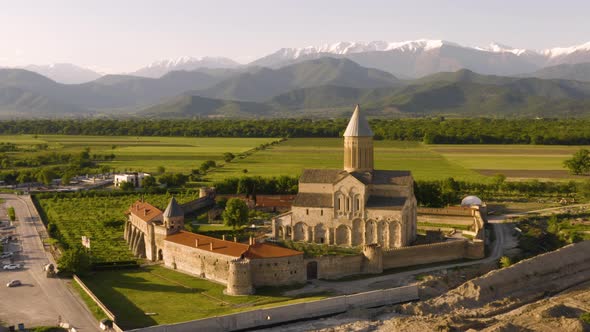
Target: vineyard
x,y
101,218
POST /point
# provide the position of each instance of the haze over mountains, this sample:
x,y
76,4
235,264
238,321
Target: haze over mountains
x,y
446,79
407,59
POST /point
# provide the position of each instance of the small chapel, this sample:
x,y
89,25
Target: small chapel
x,y
354,206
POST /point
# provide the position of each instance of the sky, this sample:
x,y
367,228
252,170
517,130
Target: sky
x,y
124,35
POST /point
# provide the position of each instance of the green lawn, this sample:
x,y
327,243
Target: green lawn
x,y
172,297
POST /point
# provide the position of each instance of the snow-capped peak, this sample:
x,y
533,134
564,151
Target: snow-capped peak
x,y
499,48
188,60
559,51
342,48
161,67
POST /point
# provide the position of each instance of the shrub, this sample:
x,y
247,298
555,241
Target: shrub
x,y
505,261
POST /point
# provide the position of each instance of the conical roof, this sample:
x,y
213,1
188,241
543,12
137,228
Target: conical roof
x,y
358,125
173,209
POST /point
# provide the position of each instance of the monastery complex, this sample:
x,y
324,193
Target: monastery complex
x,y
357,206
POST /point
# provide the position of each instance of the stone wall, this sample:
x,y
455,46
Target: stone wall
x,y
336,267
447,211
432,253
278,271
450,220
202,263
198,204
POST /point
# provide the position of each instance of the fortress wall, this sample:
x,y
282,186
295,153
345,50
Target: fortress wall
x,y
335,267
278,271
475,249
197,262
450,220
197,204
447,211
424,254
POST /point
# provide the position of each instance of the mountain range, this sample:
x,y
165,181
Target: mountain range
x,y
408,59
322,87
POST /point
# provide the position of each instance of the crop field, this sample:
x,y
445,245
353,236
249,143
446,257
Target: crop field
x,y
176,154
172,297
427,162
100,218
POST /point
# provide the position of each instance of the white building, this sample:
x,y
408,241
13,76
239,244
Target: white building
x,y
134,178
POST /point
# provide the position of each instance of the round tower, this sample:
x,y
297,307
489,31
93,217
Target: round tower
x,y
173,217
373,262
358,144
239,278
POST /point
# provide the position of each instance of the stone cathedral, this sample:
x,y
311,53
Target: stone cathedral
x,y
354,206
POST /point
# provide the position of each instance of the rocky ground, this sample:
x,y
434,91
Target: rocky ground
x,y
545,293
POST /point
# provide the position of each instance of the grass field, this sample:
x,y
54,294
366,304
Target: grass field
x,y
172,297
293,155
176,154
427,162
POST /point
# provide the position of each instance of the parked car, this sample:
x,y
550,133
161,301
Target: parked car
x,y
13,283
6,255
11,267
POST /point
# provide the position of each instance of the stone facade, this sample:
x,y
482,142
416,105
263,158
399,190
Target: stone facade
x,y
355,206
159,236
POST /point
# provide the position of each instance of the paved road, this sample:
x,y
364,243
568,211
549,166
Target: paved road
x,y
41,300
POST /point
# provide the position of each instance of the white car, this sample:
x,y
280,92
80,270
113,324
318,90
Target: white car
x,y
13,283
11,266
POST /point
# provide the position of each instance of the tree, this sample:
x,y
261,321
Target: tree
x,y
46,175
228,156
126,186
235,213
74,261
161,169
148,182
206,165
580,162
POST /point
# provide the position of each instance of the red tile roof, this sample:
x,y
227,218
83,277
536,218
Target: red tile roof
x,y
230,248
144,211
265,250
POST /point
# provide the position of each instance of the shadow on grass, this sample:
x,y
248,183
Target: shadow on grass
x,y
127,314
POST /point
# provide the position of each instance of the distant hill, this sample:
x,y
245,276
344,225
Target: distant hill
x,y
190,106
107,92
577,72
264,83
66,73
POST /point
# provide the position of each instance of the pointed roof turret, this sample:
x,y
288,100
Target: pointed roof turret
x,y
358,125
173,209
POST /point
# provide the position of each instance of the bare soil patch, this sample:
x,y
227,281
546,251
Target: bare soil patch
x,y
523,173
